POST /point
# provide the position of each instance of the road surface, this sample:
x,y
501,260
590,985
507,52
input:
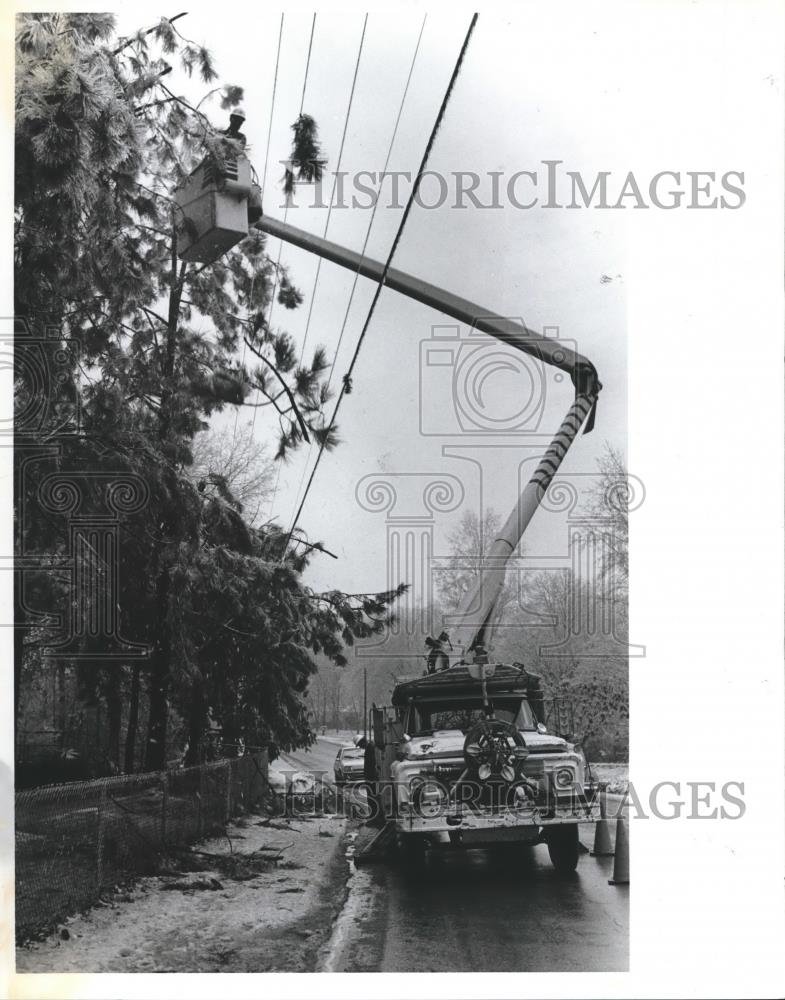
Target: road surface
x,y
320,757
478,911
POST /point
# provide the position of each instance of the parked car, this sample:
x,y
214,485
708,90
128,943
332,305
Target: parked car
x,y
349,764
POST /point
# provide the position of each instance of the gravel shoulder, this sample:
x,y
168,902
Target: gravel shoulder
x,y
261,899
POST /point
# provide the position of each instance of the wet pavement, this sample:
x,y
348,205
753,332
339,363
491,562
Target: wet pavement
x,y
478,910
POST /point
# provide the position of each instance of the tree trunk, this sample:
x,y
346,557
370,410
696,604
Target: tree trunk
x,y
133,720
19,652
155,750
61,701
196,724
114,714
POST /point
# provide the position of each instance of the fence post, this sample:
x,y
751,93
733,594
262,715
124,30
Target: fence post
x,y
199,805
101,831
228,804
164,803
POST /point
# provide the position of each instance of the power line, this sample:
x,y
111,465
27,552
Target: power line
x,y
264,181
368,232
376,203
308,63
336,175
272,106
286,212
388,263
280,248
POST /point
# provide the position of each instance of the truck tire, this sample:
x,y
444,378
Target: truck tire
x,y
563,847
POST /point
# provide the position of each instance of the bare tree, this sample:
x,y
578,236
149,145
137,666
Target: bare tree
x,y
609,499
325,691
231,459
469,543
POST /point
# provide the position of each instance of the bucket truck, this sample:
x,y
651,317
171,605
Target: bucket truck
x,y
463,757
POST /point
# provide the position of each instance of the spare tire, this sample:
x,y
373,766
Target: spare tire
x,y
494,750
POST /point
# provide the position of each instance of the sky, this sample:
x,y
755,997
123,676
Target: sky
x,y
559,270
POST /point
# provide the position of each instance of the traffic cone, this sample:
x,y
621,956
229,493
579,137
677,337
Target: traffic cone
x,y
621,860
602,835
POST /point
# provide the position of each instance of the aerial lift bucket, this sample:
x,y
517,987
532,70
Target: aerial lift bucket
x,y
211,214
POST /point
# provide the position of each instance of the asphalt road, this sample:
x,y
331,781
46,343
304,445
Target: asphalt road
x,y
478,910
320,758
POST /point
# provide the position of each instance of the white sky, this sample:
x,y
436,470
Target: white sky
x,y
512,108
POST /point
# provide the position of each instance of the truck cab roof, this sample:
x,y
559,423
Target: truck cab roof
x,y
457,683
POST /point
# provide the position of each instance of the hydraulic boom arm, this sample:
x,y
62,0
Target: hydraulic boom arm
x,y
469,623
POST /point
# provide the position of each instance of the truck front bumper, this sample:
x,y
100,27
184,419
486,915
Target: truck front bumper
x,y
574,809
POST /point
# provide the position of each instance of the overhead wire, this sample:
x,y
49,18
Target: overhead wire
x,y
336,175
280,249
413,194
272,106
383,174
264,181
286,210
378,194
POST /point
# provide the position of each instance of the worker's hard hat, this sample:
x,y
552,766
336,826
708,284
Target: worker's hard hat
x,y
237,113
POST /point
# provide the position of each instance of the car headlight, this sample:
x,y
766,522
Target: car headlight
x,y
564,779
428,797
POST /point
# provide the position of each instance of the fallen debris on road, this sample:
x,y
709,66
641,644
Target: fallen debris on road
x,y
261,900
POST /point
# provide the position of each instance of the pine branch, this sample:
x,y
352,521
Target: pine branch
x,y
285,387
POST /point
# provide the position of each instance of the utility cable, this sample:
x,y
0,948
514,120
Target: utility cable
x,y
388,263
286,211
336,175
367,233
264,181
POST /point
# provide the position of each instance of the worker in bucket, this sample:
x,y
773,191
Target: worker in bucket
x,y
236,121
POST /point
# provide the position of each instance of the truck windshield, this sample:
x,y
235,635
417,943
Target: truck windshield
x,y
428,718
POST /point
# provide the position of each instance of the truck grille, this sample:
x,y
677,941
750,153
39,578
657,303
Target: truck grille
x,y
533,768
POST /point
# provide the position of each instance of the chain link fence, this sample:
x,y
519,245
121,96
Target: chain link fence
x,y
77,840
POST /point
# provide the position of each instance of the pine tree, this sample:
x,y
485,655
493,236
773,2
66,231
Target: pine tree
x,y
101,141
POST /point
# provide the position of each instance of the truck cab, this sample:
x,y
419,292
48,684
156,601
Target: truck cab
x,y
464,763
